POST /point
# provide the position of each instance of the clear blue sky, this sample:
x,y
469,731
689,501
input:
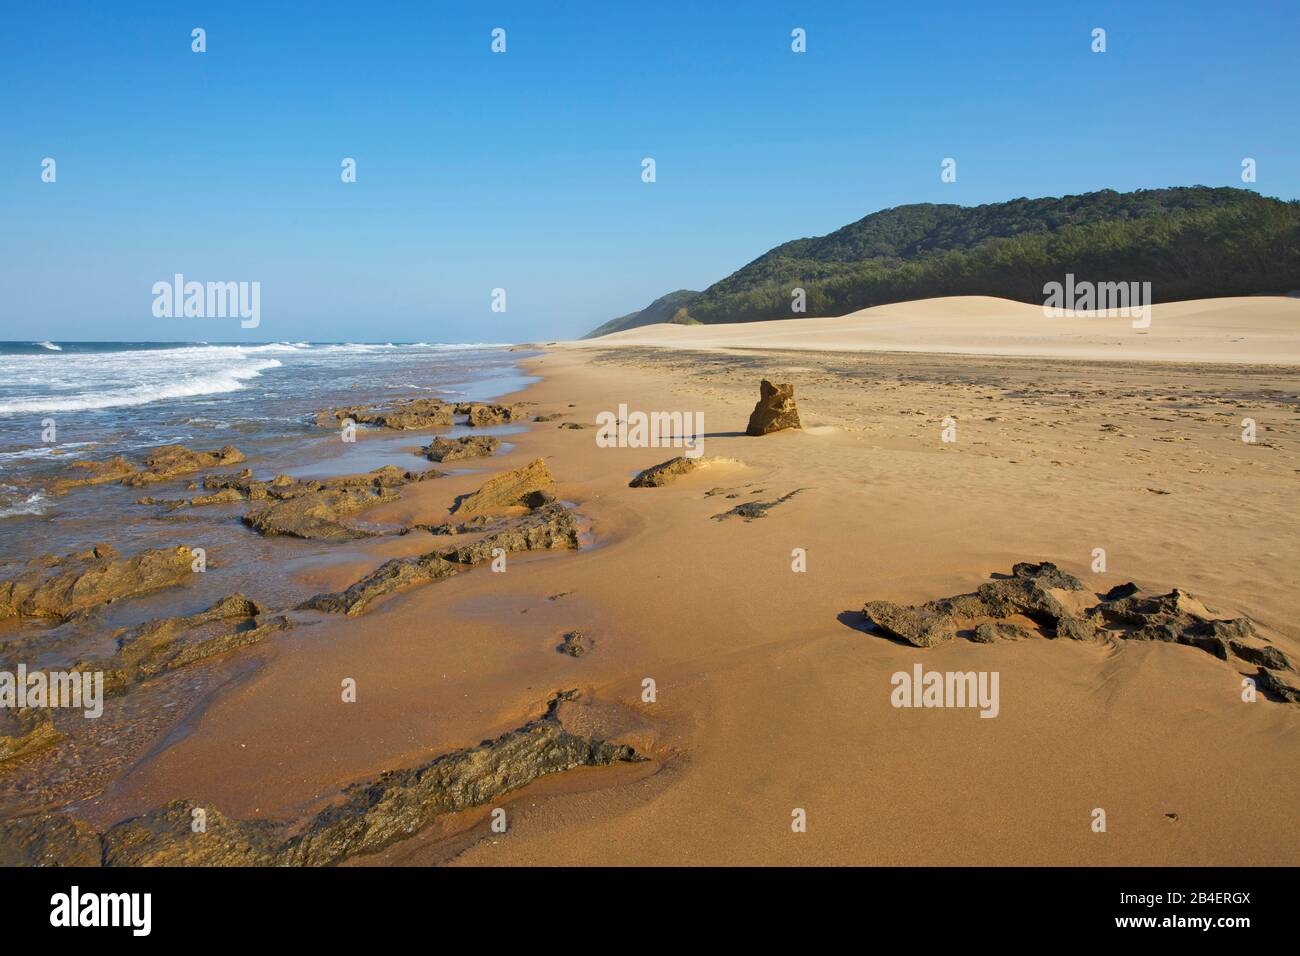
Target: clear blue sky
x,y
522,170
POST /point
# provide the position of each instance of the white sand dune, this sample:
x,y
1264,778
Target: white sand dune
x,y
1262,330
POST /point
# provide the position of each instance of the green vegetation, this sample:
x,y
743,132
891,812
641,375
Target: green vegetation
x,y
1189,242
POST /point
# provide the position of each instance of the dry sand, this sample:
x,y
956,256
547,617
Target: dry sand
x,y
771,695
1261,330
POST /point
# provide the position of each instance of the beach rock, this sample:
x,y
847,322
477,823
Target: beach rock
x,y
94,473
991,633
308,508
549,417
317,516
32,730
89,579
527,486
173,461
754,509
1174,617
456,449
1121,591
668,471
409,415
1267,656
165,644
574,644
390,577
483,415
775,410
166,837
370,817
916,627
1278,685
576,426
403,802
48,839
162,464
550,527
1047,575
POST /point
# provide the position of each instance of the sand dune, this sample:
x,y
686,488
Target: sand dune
x,y
1263,330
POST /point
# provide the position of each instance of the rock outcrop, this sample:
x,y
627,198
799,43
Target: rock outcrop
x,y
409,415
528,486
304,507
574,644
55,587
371,816
49,839
456,449
551,526
482,415
917,626
1038,592
165,644
162,464
668,471
775,410
32,729
754,509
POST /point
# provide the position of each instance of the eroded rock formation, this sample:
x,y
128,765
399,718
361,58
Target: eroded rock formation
x,y
456,449
58,587
528,486
1041,594
775,410
370,816
668,471
162,464
551,526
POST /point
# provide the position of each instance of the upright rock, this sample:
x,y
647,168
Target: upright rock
x,y
528,487
775,410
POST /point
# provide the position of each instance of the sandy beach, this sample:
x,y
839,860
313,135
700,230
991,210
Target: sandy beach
x,y
772,690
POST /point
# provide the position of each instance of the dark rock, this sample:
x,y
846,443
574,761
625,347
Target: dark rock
x,y
1267,656
575,644
483,415
33,729
1047,575
412,414
991,633
455,449
89,579
48,839
754,509
915,626
165,644
1121,591
549,527
371,816
775,410
665,472
1276,684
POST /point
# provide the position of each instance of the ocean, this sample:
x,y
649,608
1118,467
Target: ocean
x,y
61,401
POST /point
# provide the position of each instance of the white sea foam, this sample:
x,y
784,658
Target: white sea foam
x,y
12,506
166,382
51,346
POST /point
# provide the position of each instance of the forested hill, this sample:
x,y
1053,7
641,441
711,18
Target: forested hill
x,y
1188,242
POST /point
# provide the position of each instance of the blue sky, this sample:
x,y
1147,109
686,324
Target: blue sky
x,y
522,170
